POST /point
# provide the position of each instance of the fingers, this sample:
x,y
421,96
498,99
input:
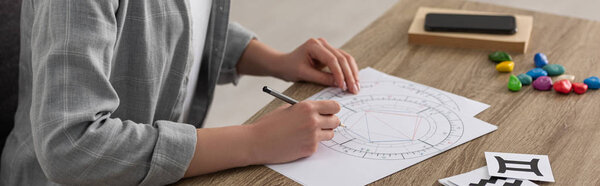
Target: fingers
x,y
319,76
353,66
342,61
329,122
322,119
325,135
327,107
342,65
322,54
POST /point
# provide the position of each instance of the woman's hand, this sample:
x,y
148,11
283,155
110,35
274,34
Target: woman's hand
x,y
285,134
305,63
292,132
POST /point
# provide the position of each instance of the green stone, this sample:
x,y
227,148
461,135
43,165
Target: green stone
x,y
514,84
554,69
525,79
499,56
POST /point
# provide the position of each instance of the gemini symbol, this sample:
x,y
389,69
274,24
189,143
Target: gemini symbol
x,y
533,164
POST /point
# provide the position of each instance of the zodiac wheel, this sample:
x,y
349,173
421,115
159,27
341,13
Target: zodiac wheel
x,y
393,126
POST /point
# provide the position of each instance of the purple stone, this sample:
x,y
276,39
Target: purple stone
x,y
542,83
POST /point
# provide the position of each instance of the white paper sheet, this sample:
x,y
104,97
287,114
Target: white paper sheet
x,y
468,106
391,125
481,175
520,166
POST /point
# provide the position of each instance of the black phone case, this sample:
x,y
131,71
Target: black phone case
x,y
489,24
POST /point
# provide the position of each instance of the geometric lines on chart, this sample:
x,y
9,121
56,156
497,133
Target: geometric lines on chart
x,y
386,126
391,127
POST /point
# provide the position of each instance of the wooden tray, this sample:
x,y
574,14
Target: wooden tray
x,y
513,43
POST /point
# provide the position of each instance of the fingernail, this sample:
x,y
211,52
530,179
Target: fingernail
x,y
358,85
355,88
344,87
335,84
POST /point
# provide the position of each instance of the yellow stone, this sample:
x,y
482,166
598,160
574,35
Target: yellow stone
x,y
505,66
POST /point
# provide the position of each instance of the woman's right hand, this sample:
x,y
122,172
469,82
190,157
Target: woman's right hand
x,y
292,132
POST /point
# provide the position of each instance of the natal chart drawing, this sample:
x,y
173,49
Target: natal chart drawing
x,y
410,121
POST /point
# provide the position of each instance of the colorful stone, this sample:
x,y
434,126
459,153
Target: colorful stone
x,y
540,60
563,86
554,69
505,66
499,56
565,76
525,79
592,82
542,83
580,88
537,72
514,84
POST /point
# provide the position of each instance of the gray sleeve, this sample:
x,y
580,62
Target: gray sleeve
x,y
76,140
238,38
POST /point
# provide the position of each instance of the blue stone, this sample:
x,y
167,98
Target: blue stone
x,y
525,79
537,72
540,60
592,82
554,69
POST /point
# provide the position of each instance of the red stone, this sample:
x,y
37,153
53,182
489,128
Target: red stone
x,y
580,88
563,86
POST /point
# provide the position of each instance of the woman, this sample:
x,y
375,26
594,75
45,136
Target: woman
x,y
106,89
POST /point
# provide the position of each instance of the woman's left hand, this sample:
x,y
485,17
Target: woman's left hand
x,y
306,61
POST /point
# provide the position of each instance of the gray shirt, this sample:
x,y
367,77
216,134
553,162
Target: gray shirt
x,y
101,84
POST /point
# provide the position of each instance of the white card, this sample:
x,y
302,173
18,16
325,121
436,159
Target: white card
x,y
446,182
519,166
480,177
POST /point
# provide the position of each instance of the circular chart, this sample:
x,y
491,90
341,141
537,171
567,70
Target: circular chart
x,y
392,126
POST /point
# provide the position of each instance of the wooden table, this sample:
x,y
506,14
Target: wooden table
x,y
565,127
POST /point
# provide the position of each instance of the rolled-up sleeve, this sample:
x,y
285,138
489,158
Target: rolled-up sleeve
x,y
238,38
76,140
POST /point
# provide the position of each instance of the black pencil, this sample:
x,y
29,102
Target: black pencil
x,y
283,97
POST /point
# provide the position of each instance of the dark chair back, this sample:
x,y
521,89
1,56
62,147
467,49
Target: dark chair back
x,y
9,65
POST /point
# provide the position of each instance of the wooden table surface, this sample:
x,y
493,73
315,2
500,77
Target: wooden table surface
x,y
564,127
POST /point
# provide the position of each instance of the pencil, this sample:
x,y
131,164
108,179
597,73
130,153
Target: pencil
x,y
283,97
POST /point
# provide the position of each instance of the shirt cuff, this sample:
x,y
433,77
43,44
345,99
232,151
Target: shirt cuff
x,y
238,39
173,153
